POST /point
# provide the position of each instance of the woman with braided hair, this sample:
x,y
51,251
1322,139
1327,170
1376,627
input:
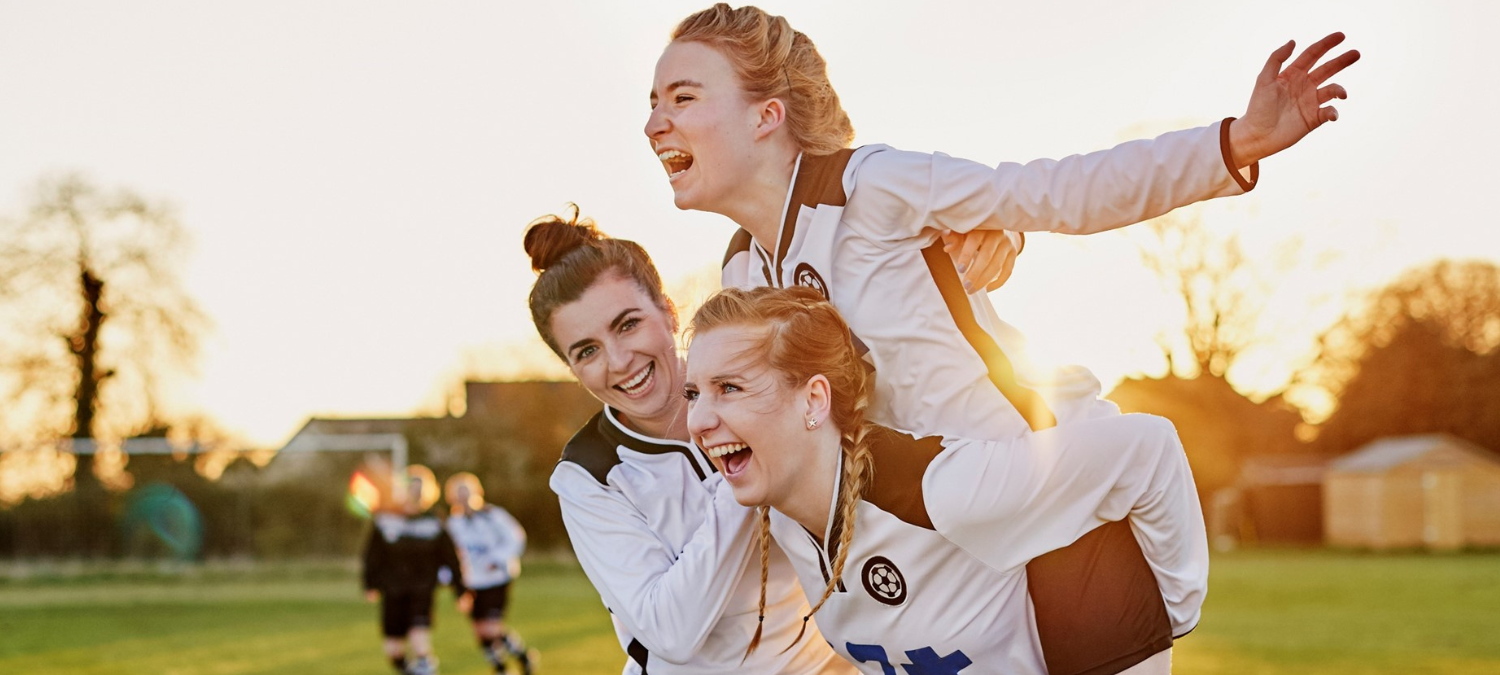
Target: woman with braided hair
x,y
747,124
652,523
917,546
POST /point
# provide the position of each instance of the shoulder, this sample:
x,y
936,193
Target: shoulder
x,y
878,164
591,450
900,461
890,192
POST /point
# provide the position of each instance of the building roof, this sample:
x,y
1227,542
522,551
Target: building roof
x,y
350,434
1389,453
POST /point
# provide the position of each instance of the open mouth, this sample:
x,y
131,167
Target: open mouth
x,y
736,456
641,382
676,162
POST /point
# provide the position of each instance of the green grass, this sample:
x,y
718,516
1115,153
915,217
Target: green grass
x,y
1334,613
1268,612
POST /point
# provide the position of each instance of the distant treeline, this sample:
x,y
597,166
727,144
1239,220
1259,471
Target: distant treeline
x,y
1421,355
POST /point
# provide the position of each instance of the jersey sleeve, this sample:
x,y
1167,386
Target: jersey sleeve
x,y
668,600
1009,502
896,194
512,536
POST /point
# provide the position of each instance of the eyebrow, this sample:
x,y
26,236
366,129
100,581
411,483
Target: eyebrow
x,y
678,84
613,324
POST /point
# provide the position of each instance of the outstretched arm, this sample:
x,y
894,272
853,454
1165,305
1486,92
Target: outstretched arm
x,y
897,195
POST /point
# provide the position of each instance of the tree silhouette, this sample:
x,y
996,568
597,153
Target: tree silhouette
x,y
1222,292
1420,355
96,317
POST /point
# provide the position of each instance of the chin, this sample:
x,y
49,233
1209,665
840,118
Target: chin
x,y
747,496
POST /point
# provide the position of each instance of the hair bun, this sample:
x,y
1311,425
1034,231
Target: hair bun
x,y
551,237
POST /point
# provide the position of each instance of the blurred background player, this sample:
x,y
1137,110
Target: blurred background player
x,y
489,543
406,549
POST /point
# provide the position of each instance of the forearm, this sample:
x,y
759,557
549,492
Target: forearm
x,y
669,601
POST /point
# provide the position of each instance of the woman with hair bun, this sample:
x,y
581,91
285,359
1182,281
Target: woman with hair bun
x,y
747,125
652,523
918,544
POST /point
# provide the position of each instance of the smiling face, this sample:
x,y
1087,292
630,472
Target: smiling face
x,y
746,418
701,127
621,346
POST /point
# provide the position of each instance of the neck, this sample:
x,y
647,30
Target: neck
x,y
757,206
807,502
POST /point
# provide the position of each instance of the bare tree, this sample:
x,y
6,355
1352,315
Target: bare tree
x,y
96,317
1223,290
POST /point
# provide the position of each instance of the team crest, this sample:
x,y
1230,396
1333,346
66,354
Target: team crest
x,y
805,275
883,581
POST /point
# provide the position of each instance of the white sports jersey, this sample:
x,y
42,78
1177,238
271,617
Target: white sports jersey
x,y
659,534
934,581
490,543
862,226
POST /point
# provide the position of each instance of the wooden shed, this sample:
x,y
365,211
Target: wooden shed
x,y
1434,491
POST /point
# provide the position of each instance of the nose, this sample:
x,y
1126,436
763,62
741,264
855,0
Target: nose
x,y
619,360
656,124
701,418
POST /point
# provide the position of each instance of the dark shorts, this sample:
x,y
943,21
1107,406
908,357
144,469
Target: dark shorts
x,y
402,611
490,603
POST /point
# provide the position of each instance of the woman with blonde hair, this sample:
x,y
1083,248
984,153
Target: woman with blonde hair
x,y
490,543
918,545
654,527
747,125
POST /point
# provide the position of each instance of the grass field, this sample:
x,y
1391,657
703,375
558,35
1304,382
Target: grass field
x,y
1268,612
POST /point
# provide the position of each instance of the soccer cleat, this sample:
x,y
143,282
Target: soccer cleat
x,y
425,665
528,659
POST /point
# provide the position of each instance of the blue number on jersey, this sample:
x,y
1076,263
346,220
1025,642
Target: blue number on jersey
x,y
924,661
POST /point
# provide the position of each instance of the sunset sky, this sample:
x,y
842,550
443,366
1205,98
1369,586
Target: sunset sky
x,y
356,175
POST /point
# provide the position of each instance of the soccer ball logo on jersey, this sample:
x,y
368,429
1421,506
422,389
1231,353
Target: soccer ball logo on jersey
x,y
805,275
883,581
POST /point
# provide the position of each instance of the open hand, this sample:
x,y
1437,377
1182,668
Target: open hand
x,y
1287,104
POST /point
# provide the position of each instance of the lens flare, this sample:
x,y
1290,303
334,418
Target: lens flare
x,y
364,496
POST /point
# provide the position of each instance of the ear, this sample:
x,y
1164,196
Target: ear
x,y
770,116
818,397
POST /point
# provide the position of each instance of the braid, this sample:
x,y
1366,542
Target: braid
x,y
859,471
804,337
763,534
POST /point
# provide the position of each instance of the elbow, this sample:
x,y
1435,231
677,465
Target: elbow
x,y
668,637
669,647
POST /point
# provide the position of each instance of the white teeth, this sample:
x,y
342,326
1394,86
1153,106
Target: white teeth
x,y
670,154
639,379
726,449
